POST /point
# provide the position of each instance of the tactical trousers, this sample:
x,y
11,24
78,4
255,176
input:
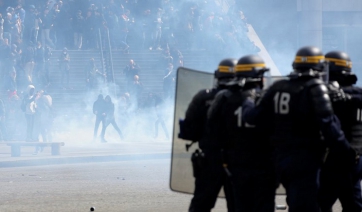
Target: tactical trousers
x,y
340,181
208,183
298,171
254,190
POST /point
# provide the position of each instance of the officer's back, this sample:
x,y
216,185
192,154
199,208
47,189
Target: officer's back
x,y
195,121
293,112
246,149
209,174
340,179
301,114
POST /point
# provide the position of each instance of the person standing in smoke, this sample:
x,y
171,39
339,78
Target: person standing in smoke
x,y
109,111
28,63
135,92
98,110
45,75
78,25
154,101
44,107
130,71
169,84
93,76
44,119
64,67
31,25
91,71
160,120
39,64
28,106
46,25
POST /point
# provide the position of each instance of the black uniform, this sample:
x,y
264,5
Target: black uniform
x,y
209,173
299,110
211,177
341,180
247,151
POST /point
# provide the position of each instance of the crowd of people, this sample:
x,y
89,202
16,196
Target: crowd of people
x,y
303,133
30,31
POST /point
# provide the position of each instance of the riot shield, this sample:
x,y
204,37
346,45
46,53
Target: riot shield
x,y
188,83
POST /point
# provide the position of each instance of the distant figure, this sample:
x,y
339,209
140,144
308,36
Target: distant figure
x,y
169,84
44,119
154,101
28,106
93,76
44,107
130,71
28,63
64,67
98,110
78,27
109,111
135,92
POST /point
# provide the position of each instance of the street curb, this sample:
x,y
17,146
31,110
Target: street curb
x,y
82,159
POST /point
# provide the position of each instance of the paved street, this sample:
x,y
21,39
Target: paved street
x,y
140,185
123,176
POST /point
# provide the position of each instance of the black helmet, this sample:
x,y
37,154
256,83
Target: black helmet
x,y
309,59
225,69
338,61
340,68
250,66
252,69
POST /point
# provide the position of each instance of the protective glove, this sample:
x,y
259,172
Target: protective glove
x,y
336,94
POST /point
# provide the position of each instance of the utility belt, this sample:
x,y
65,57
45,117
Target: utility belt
x,y
200,160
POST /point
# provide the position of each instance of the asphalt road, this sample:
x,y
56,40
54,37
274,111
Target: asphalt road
x,y
140,185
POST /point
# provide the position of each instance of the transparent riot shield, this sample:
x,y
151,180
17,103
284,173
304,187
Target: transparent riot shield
x,y
188,83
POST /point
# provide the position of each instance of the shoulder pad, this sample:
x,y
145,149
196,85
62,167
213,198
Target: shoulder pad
x,y
320,99
319,89
280,81
313,82
217,103
203,95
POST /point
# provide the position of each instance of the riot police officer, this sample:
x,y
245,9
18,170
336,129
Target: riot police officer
x,y
248,153
340,180
302,123
208,172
